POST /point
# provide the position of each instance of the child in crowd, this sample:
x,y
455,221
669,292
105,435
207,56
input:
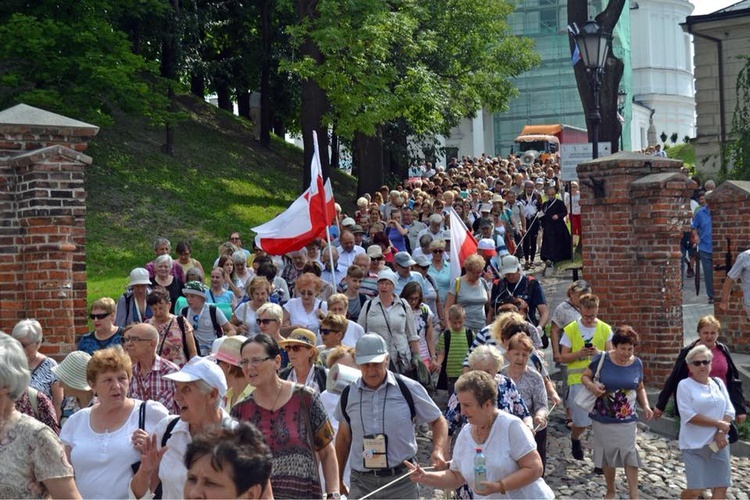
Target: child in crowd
x,y
452,347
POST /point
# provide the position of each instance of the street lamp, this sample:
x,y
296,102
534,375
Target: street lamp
x,y
593,44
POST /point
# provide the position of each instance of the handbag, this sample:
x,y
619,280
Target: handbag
x,y
586,399
141,425
733,435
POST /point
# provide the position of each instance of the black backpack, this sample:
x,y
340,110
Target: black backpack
x,y
211,312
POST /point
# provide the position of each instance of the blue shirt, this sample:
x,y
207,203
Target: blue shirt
x,y
702,223
618,405
90,344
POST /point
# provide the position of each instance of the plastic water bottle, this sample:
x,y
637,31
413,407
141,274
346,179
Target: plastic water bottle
x,y
480,471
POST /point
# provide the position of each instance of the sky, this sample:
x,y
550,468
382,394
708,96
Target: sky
x,y
708,6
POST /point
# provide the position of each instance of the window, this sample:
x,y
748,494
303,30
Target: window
x,y
548,20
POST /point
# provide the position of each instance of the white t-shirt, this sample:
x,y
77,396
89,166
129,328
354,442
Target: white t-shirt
x,y
353,332
298,315
247,315
694,398
509,441
102,460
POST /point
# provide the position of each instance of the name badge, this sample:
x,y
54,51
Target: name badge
x,y
375,451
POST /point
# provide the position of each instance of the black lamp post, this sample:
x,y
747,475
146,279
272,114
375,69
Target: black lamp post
x,y
593,44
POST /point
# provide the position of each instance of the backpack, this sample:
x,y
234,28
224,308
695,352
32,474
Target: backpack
x,y
211,312
344,400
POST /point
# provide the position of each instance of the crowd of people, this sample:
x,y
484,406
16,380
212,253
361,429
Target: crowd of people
x,y
294,376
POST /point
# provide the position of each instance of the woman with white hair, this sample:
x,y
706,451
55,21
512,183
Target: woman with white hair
x,y
174,285
29,333
34,462
200,387
242,273
706,414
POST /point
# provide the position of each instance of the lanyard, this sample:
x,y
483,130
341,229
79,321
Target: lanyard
x,y
385,401
163,334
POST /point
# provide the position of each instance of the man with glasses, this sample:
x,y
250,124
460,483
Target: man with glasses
x,y
236,240
141,342
209,323
581,341
413,227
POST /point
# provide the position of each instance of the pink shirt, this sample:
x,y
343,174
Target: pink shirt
x,y
719,365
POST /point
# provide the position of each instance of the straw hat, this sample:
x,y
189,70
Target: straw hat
x,y
72,370
300,336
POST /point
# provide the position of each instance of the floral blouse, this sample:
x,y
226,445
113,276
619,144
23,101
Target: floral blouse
x,y
170,340
45,410
618,403
508,399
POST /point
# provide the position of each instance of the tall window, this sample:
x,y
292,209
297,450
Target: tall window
x,y
548,20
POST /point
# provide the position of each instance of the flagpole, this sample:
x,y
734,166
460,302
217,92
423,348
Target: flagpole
x,y
328,231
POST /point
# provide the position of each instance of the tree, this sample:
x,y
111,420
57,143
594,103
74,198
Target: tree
x,y
739,147
428,63
610,127
69,59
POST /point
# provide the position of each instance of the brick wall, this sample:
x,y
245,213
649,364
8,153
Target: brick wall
x,y
42,233
729,204
634,209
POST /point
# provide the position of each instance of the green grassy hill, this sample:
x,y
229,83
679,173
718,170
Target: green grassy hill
x,y
219,180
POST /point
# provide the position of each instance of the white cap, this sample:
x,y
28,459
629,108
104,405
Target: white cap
x,y
201,369
509,264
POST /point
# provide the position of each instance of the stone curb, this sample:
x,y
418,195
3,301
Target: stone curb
x,y
670,427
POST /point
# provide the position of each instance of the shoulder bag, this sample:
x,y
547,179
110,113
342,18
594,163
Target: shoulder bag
x,y
586,399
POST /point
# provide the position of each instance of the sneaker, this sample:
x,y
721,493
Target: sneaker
x,y
598,470
577,449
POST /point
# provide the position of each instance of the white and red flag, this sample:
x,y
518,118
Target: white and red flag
x,y
306,218
463,244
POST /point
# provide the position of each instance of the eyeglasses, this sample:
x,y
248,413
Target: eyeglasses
x,y
699,362
377,258
296,348
133,338
253,361
263,321
436,252
98,316
326,331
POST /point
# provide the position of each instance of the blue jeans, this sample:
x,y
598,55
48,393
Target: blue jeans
x,y
707,263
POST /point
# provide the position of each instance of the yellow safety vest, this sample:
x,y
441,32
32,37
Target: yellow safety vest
x,y
577,367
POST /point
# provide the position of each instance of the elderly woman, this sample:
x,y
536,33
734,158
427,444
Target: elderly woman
x,y
472,292
332,330
176,341
614,417
162,265
722,367
294,262
531,387
200,388
269,320
103,442
242,273
281,404
338,303
302,311
513,466
439,269
423,323
34,464
106,333
71,372
131,306
303,356
706,413
226,353
29,333
244,316
163,246
487,358
391,318
185,259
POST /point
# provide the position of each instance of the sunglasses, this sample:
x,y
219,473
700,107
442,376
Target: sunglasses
x,y
263,321
98,316
378,258
195,322
326,331
296,348
700,362
437,252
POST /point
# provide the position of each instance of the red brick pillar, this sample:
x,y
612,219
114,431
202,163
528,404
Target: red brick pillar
x,y
42,260
634,209
729,204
